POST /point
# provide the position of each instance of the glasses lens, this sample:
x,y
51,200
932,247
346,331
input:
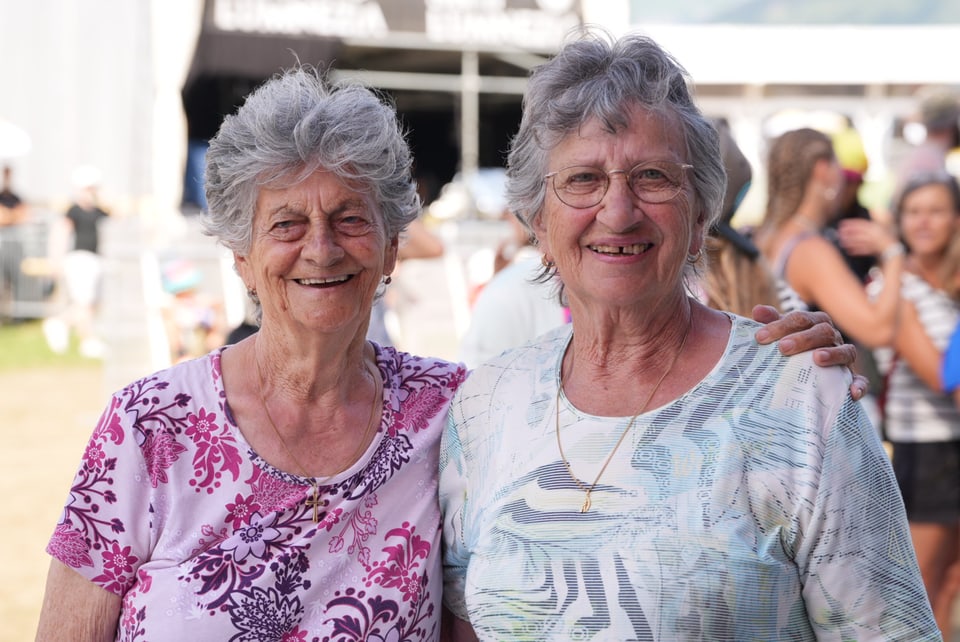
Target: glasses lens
x,y
656,182
580,186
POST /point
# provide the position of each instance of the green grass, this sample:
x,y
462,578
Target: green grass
x,y
22,345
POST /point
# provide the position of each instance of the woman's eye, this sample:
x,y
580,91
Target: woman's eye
x,y
583,177
651,174
355,224
286,228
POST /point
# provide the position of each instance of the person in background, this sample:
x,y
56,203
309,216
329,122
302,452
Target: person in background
x,y
13,209
82,268
848,147
514,306
737,278
852,157
922,423
247,326
193,320
13,212
804,183
649,472
417,242
949,368
939,113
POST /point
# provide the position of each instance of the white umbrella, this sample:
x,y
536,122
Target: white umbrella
x,y
14,140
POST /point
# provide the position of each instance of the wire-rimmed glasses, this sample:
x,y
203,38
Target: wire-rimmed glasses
x,y
582,186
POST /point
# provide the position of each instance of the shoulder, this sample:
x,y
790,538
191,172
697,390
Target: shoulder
x,y
745,354
183,382
913,286
403,370
792,396
811,244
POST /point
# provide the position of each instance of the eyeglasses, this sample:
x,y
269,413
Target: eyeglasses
x,y
652,182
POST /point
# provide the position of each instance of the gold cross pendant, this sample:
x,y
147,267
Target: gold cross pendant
x,y
313,501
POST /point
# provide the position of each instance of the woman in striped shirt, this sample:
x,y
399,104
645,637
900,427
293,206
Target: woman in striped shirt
x,y
921,421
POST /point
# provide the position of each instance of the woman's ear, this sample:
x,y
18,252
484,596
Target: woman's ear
x,y
243,269
539,231
390,256
698,232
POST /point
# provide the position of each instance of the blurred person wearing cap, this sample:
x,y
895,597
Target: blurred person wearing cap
x,y
193,320
738,277
939,114
81,269
848,146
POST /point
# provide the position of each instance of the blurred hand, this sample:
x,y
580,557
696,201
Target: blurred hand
x,y
861,237
802,331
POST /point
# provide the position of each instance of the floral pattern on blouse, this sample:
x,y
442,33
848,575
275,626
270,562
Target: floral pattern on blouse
x,y
172,510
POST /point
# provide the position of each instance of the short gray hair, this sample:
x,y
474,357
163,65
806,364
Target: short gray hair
x,y
293,125
595,77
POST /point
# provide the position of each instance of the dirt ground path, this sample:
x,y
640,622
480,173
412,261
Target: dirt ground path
x,y
47,416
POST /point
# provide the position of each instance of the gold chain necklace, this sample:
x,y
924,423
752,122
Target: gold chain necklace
x,y
582,486
313,499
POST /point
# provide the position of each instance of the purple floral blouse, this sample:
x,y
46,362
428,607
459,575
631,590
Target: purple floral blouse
x,y
174,511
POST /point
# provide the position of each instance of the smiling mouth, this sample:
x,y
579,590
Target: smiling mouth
x,y
620,250
324,283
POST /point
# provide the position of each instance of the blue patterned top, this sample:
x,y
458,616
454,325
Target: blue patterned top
x,y
759,505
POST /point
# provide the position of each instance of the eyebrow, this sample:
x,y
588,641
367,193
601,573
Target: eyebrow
x,y
299,208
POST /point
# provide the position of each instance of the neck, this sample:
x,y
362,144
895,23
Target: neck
x,y
927,267
597,368
308,370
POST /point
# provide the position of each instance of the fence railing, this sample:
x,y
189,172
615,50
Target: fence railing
x,y
28,286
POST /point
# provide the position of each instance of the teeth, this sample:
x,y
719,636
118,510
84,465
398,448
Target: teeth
x,y
636,248
336,279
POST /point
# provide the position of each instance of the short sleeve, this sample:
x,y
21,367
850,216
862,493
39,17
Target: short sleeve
x,y
104,531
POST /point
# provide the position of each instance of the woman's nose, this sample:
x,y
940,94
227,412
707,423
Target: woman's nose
x,y
619,207
321,245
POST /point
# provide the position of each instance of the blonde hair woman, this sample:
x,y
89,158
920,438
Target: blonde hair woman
x,y
804,181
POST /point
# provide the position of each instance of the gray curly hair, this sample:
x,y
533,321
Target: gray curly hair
x,y
595,77
293,125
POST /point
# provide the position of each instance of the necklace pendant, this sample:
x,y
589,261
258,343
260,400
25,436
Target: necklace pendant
x,y
313,501
586,504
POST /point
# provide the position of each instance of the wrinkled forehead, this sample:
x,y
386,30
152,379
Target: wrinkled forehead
x,y
638,132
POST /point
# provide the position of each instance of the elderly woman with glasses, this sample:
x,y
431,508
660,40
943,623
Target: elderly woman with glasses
x,y
650,472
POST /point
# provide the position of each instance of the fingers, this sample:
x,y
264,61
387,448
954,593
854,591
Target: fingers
x,y
839,355
794,323
765,313
859,387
